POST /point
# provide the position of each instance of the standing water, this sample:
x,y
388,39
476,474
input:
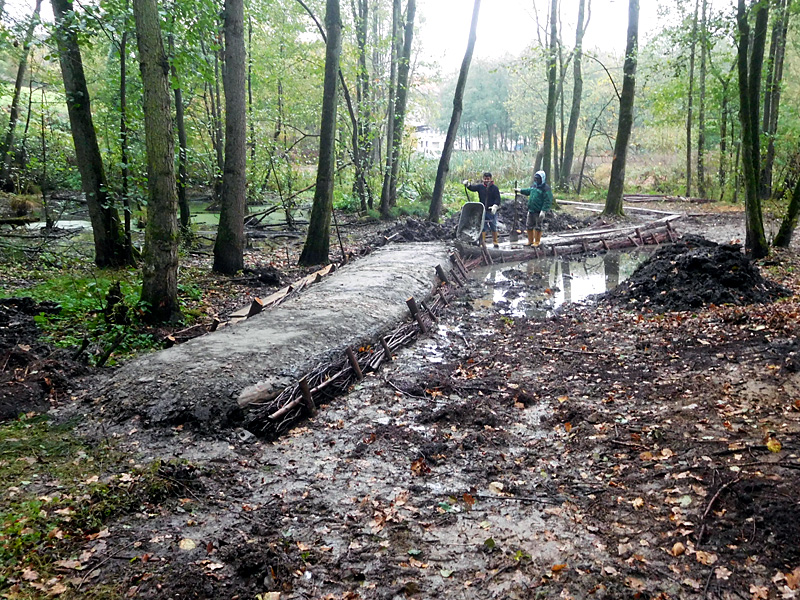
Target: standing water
x,y
538,287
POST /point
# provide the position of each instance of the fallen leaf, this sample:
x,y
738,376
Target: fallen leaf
x,y
557,568
30,575
69,564
496,488
705,558
187,544
445,573
723,573
793,579
638,503
469,500
678,549
759,592
773,445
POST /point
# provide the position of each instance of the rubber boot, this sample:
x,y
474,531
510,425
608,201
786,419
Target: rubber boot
x,y
537,238
530,237
494,239
483,238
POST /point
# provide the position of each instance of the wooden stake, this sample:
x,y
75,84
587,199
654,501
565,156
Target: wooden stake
x,y
429,311
443,297
412,306
441,274
307,399
386,350
351,356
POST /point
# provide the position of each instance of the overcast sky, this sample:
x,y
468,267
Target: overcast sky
x,y
508,26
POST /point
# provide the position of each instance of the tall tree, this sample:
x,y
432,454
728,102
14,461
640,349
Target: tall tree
x,y
386,200
577,94
364,110
435,210
690,101
317,245
109,243
7,149
772,92
617,182
160,258
183,145
701,117
750,60
229,246
789,223
401,99
550,115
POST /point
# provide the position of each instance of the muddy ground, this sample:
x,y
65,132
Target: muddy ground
x,y
610,450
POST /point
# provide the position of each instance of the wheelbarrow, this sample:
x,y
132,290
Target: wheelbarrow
x,y
470,224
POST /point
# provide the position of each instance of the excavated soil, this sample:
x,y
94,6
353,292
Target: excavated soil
x,y
693,273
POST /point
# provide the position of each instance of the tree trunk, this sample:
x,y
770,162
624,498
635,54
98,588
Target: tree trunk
x,y
317,245
403,68
701,117
229,246
123,139
617,182
180,123
577,94
435,210
723,139
749,100
252,126
550,115
363,146
772,93
109,243
160,258
690,107
7,149
390,121
789,223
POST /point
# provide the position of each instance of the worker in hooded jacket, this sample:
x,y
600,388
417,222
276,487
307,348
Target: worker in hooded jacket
x,y
540,199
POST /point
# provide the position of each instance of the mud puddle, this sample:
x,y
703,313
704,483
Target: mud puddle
x,y
537,288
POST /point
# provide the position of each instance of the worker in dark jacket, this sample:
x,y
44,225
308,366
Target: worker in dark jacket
x,y
489,195
540,199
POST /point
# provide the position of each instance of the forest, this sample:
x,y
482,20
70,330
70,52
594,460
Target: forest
x,y
233,365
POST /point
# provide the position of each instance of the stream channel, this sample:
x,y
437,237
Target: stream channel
x,y
538,288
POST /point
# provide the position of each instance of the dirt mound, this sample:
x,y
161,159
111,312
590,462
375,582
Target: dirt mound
x,y
32,374
416,230
692,273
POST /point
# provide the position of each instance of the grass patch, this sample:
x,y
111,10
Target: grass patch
x,y
60,494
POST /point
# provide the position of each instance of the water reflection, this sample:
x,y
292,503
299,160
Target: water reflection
x,y
538,287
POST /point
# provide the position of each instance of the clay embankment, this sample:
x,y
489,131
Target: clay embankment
x,y
199,382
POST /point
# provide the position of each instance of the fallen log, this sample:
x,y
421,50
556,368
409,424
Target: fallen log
x,y
568,247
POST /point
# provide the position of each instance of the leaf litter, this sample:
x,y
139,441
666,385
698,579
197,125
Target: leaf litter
x,y
461,478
